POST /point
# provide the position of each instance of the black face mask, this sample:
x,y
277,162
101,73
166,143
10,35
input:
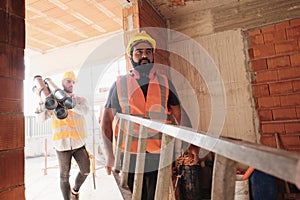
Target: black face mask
x,y
143,69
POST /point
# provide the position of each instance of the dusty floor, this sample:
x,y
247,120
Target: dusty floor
x,y
46,187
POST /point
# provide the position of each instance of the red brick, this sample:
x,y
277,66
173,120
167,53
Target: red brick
x,y
11,168
293,32
274,36
266,76
279,61
8,105
149,17
261,90
264,51
268,102
4,27
17,66
4,60
295,59
290,100
281,87
17,8
288,73
12,128
13,88
3,5
251,53
282,25
292,127
260,64
265,115
267,29
17,31
284,114
256,40
14,193
295,22
268,140
286,47
272,128
289,141
296,86
298,112
254,32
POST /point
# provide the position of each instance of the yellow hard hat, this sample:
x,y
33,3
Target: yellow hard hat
x,y
142,36
69,75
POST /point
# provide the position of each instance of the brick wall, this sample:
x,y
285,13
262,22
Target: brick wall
x,y
274,51
12,44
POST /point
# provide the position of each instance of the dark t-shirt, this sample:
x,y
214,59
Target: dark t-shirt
x,y
113,100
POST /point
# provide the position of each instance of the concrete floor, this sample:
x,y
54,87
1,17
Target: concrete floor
x,y
46,187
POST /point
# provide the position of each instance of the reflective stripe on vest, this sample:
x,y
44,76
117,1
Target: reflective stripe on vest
x,y
132,101
74,126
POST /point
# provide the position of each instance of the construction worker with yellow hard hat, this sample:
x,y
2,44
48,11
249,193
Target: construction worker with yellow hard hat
x,y
144,93
69,138
140,37
69,75
140,51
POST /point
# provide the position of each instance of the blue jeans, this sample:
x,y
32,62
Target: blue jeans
x,y
64,158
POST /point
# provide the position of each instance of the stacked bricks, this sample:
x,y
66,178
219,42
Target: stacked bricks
x,y
274,51
12,44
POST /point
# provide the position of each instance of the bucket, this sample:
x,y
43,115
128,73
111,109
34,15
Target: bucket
x,y
241,188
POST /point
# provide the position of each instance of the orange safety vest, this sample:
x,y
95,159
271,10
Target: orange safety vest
x,y
69,133
155,107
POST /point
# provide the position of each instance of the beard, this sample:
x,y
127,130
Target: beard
x,y
69,91
143,69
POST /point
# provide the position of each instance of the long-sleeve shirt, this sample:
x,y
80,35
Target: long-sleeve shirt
x,y
69,133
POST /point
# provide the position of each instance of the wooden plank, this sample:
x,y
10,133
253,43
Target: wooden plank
x,y
140,164
165,168
127,150
118,150
224,176
287,163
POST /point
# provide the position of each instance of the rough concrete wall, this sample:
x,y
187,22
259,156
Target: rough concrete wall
x,y
227,52
210,16
12,44
210,22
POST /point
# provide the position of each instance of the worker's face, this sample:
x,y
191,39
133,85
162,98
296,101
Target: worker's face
x,y
142,54
68,85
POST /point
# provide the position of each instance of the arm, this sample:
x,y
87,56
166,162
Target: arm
x,y
183,119
107,137
81,105
44,115
176,112
193,150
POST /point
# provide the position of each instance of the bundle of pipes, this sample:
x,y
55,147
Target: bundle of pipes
x,y
52,97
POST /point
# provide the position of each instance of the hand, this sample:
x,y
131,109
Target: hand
x,y
193,152
108,170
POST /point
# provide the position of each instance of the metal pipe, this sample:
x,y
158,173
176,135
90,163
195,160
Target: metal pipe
x,y
58,93
43,92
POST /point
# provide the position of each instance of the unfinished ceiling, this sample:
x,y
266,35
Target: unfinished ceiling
x,y
51,24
